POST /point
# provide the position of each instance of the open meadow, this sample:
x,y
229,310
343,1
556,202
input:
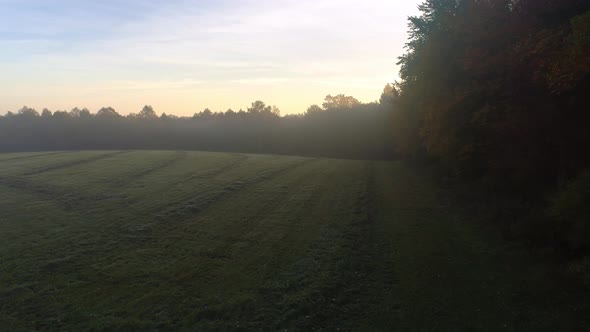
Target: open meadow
x,y
154,240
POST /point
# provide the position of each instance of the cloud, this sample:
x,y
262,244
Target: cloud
x,y
342,45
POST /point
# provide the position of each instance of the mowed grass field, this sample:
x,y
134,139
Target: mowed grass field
x,y
153,240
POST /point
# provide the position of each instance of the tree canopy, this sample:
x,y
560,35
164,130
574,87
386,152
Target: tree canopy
x,y
492,91
339,101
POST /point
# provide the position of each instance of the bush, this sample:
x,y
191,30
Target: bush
x,y
570,209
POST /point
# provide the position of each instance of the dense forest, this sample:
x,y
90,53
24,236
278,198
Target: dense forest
x,y
490,96
342,127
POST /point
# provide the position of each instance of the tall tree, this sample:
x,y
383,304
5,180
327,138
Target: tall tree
x,y
148,113
259,107
339,101
107,112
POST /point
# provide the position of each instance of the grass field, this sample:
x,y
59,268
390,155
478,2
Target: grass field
x,y
130,240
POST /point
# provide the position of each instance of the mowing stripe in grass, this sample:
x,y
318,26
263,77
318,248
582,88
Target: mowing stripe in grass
x,y
33,155
323,288
125,179
74,163
235,162
64,197
201,259
195,205
210,173
293,242
118,201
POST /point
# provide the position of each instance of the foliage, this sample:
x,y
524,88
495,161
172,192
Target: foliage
x,y
313,109
339,101
570,209
148,113
491,91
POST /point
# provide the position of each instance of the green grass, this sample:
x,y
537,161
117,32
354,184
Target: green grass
x,y
128,240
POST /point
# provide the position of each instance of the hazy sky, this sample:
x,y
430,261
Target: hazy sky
x,y
181,56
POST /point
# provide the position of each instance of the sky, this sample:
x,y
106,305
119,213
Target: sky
x,y
182,56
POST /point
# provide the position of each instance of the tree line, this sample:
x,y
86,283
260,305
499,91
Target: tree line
x,y
342,127
492,93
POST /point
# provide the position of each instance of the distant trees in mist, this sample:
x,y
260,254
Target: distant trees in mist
x,y
343,127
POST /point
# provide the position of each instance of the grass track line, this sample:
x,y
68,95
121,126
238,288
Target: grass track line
x,y
73,200
213,172
226,238
289,258
336,260
223,168
61,196
252,222
74,163
269,207
195,206
35,155
125,179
